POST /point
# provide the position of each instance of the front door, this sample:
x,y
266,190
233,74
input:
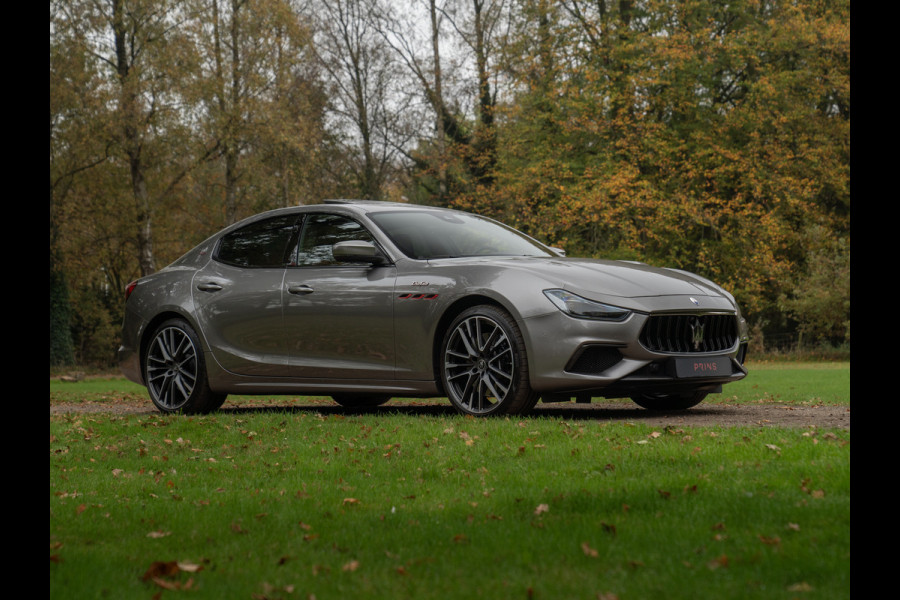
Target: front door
x,y
338,317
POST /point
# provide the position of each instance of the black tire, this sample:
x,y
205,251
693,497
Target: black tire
x,y
669,401
360,400
175,371
484,367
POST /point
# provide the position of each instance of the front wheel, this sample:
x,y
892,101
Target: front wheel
x,y
669,401
484,367
175,371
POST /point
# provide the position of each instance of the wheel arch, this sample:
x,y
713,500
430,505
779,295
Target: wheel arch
x,y
451,312
150,329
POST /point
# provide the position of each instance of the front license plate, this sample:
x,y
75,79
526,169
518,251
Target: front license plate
x,y
703,367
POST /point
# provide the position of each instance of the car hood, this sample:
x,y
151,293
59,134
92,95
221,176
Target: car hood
x,y
596,277
623,279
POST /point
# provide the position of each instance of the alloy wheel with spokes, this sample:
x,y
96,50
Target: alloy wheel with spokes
x,y
483,364
172,367
175,373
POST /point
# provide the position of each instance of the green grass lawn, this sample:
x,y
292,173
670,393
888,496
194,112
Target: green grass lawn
x,y
791,383
296,504
420,507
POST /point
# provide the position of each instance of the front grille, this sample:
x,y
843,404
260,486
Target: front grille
x,y
593,360
689,333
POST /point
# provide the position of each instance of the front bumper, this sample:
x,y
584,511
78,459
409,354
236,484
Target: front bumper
x,y
599,358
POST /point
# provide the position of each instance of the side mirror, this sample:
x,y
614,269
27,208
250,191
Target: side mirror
x,y
357,251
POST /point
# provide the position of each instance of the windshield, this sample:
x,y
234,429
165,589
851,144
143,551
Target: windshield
x,y
427,235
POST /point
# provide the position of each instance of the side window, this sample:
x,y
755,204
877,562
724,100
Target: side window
x,y
260,244
321,232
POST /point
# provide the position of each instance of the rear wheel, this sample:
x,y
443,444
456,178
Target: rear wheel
x,y
175,371
669,401
360,400
484,366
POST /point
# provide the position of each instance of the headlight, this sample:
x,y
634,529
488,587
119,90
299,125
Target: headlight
x,y
582,308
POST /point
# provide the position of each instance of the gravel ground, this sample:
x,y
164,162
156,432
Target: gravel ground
x,y
707,414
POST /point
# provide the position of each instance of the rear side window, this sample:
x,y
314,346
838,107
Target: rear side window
x,y
260,244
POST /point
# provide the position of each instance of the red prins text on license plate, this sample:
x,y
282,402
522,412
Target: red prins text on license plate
x,y
719,366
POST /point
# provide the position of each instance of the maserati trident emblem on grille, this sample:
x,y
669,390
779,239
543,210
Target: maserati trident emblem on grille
x,y
695,301
697,332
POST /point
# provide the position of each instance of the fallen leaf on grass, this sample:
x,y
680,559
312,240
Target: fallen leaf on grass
x,y
800,587
173,585
541,508
161,569
158,534
588,551
271,591
771,541
351,566
715,563
236,527
350,501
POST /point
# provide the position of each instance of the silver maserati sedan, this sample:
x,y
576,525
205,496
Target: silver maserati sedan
x,y
365,301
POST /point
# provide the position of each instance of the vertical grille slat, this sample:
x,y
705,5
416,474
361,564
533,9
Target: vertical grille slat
x,y
675,333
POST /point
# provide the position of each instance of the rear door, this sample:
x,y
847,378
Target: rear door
x,y
239,296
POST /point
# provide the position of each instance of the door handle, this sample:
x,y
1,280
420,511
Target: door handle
x,y
300,289
209,286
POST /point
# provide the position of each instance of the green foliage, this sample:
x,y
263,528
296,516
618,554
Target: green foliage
x,y
819,297
95,325
61,348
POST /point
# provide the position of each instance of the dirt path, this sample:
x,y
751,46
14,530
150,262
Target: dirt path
x,y
708,414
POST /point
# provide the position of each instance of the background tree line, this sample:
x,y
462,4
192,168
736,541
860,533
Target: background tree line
x,y
708,135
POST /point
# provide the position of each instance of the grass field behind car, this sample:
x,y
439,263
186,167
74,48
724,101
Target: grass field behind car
x,y
272,503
